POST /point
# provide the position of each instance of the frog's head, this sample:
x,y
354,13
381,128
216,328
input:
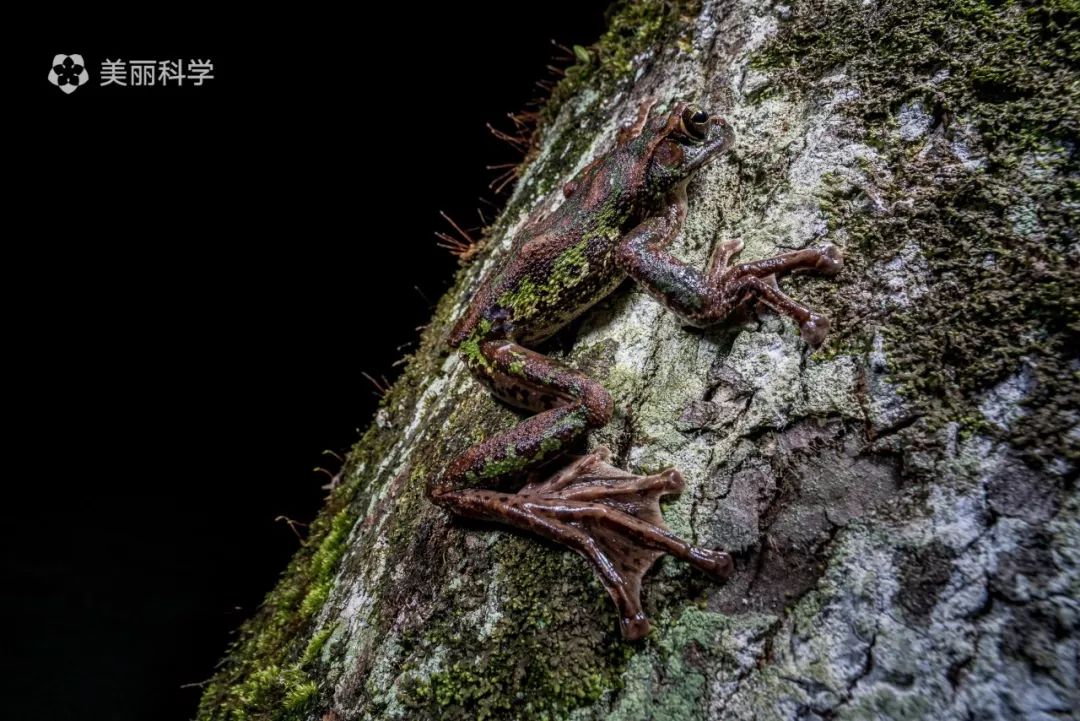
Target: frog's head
x,y
682,142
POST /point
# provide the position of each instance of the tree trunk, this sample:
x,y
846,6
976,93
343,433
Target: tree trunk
x,y
902,504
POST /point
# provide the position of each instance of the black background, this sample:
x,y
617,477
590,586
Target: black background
x,y
194,280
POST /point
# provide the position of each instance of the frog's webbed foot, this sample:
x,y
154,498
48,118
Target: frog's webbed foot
x,y
609,516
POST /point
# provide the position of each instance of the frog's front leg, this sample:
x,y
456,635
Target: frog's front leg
x,y
609,516
704,299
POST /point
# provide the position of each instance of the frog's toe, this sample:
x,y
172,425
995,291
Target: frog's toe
x,y
635,627
814,330
830,260
732,247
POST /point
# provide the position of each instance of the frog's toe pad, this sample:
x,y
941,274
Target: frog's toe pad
x,y
731,248
830,260
815,329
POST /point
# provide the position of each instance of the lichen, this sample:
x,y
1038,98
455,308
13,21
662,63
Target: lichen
x,y
672,681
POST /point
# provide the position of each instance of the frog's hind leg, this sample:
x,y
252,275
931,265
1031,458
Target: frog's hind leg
x,y
567,402
609,516
613,518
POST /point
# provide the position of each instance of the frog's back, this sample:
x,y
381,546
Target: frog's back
x,y
556,272
559,266
555,278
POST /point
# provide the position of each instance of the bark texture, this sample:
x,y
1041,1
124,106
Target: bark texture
x,y
902,503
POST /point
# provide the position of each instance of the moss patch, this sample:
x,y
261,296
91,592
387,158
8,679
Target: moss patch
x,y
998,78
674,681
271,671
633,28
259,681
470,347
555,647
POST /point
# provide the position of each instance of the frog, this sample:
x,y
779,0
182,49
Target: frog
x,y
618,216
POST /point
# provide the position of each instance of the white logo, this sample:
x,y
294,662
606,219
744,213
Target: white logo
x,y
68,72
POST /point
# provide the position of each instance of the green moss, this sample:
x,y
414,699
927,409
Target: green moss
x,y
998,241
259,684
470,347
270,671
315,646
633,28
555,647
289,685
324,562
299,696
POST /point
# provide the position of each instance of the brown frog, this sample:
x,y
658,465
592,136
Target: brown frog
x,y
619,215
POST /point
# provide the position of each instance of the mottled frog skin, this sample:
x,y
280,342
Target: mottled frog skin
x,y
619,215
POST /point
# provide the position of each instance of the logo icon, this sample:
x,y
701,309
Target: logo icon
x,y
68,72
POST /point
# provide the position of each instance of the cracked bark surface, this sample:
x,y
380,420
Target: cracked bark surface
x,y
901,550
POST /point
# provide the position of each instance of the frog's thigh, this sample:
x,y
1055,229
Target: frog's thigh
x,y
570,403
531,380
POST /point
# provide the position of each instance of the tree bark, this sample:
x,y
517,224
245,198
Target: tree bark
x,y
902,503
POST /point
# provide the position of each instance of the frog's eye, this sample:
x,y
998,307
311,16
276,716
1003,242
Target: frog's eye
x,y
695,122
